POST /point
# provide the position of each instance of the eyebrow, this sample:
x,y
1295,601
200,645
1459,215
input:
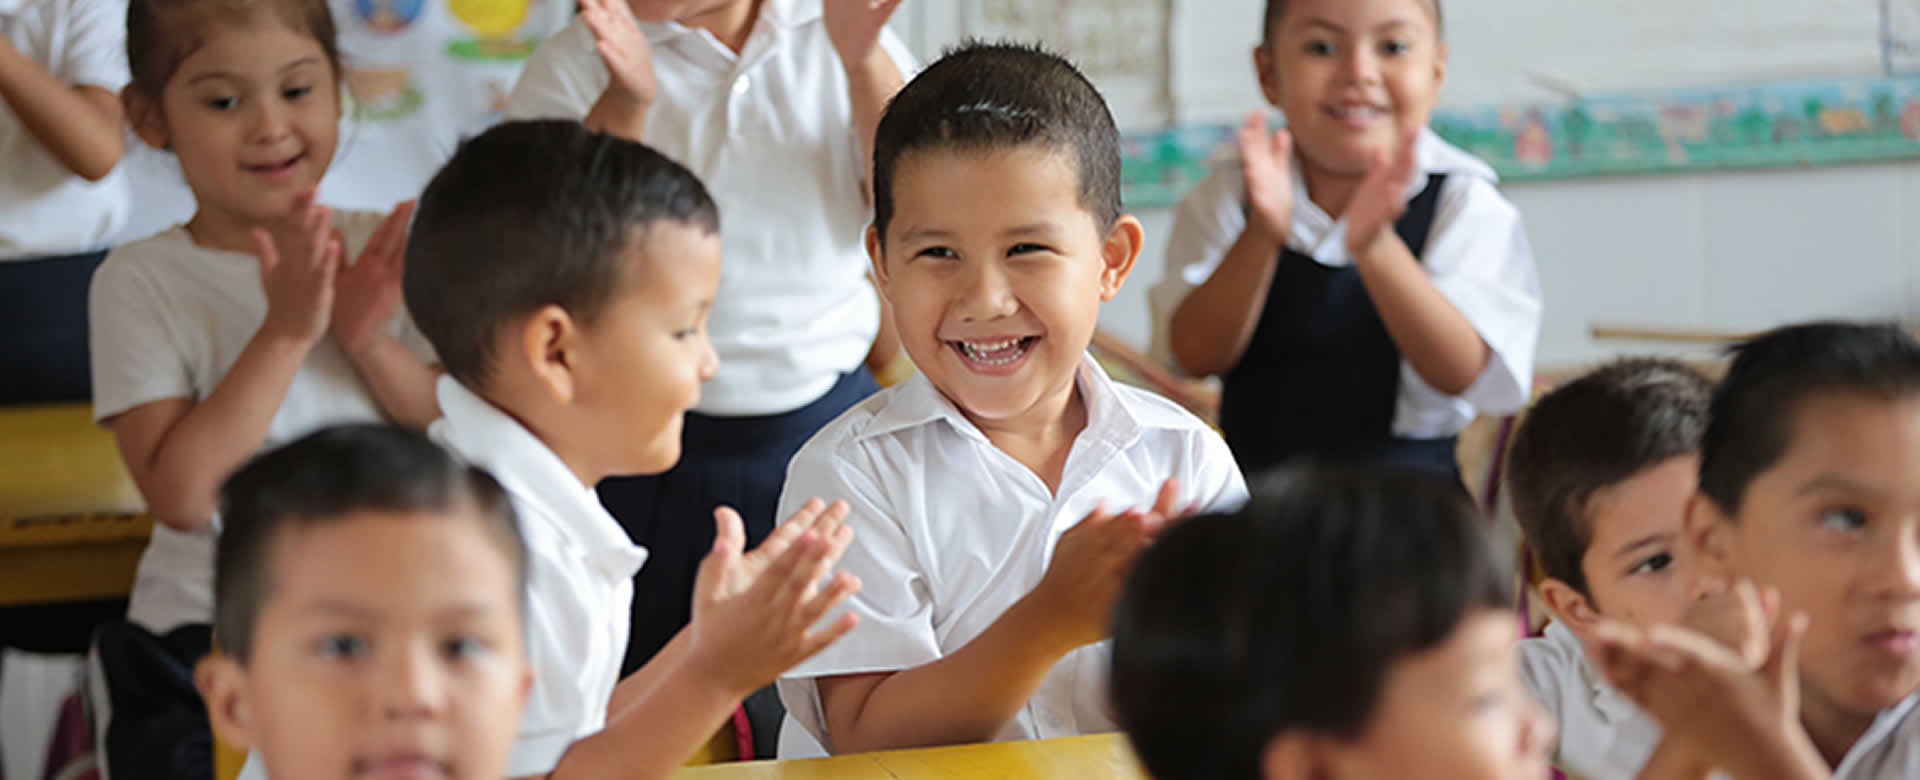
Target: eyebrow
x,y
1044,229
1381,27
221,74
336,607
1650,540
1835,483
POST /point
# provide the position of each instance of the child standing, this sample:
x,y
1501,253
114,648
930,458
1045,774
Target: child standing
x,y
255,322
772,103
371,611
994,493
1358,284
61,70
565,276
1255,646
1602,472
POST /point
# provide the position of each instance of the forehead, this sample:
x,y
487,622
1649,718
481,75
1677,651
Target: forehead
x,y
390,558
1009,182
1481,643
1652,501
1299,12
670,261
232,42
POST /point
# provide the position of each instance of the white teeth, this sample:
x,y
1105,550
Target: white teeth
x,y
1357,112
982,351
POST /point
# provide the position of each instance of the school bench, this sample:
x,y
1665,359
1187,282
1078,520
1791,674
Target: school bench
x,y
1102,756
72,524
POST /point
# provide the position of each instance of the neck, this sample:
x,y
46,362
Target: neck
x,y
1833,728
228,232
545,423
731,23
1041,437
1329,190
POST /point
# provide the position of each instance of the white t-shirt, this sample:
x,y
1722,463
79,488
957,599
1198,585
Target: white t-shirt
x,y
44,208
1477,255
168,318
949,531
770,131
1602,734
579,577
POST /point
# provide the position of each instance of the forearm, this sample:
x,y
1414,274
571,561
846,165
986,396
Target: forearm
x,y
1431,333
659,726
635,687
968,696
1211,327
181,480
871,83
1669,762
400,381
615,114
78,131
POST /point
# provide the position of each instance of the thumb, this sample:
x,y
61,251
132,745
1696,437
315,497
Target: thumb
x,y
728,537
1782,669
1282,146
265,250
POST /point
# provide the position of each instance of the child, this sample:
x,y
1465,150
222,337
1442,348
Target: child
x,y
771,103
1601,474
370,594
564,276
255,322
985,604
1345,625
60,202
1810,484
1358,284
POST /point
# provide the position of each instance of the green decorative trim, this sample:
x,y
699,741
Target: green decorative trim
x,y
492,50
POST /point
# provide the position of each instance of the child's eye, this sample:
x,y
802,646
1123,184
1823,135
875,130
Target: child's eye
x,y
1027,249
1319,48
343,646
1394,48
1843,519
1652,564
295,93
222,103
938,252
463,647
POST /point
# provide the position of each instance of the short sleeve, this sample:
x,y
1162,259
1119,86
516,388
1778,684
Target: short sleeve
x,y
1205,225
894,604
562,79
1213,475
1481,261
135,352
95,53
1544,668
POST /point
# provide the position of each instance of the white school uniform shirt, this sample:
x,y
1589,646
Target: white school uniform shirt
x,y
44,208
1477,255
1603,736
949,530
770,131
1890,749
167,319
579,577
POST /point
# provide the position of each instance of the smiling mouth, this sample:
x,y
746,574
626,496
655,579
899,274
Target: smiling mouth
x,y
276,168
995,353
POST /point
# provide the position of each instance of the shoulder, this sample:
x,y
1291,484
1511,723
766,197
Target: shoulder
x,y
1157,412
145,262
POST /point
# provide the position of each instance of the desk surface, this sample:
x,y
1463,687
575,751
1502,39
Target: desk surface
x,y
1096,758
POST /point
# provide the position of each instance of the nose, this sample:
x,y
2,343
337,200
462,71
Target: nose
x,y
709,359
270,121
410,682
1900,578
1361,65
988,295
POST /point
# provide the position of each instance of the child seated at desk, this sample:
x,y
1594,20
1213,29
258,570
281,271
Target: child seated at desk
x,y
1345,625
1001,495
369,607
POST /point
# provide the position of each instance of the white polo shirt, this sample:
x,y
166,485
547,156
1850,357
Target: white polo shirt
x,y
1602,734
949,530
167,320
579,577
1890,749
1477,255
770,131
44,208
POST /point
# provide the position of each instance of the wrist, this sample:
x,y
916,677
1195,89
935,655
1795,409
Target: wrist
x,y
869,67
1265,237
1045,625
276,336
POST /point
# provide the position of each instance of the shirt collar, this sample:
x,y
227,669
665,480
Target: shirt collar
x,y
917,402
780,15
1885,726
530,470
1325,238
1613,706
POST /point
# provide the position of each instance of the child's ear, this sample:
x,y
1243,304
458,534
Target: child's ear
x,y
1568,605
1290,755
877,256
1439,64
223,686
1263,67
143,113
550,344
1119,252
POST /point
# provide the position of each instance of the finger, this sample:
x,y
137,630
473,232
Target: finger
x,y
1282,146
264,249
713,571
1676,642
728,529
1783,668
800,522
1167,503
791,574
817,641
815,607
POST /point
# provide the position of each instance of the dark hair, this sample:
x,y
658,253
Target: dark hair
x,y
532,214
1278,8
1593,433
321,478
1751,422
1290,613
983,97
161,34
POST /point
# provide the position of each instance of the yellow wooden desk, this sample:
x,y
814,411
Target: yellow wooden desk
x,y
1096,757
72,525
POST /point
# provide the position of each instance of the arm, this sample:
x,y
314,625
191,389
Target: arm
x,y
400,381
78,125
855,28
1433,335
1669,762
367,300
179,451
967,696
1210,328
631,89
